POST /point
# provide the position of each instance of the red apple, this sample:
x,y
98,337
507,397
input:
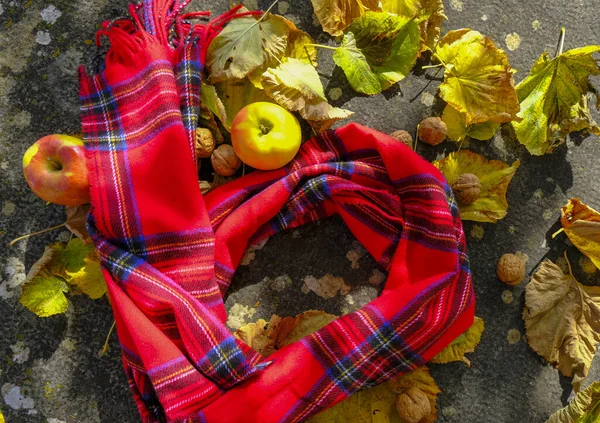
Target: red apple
x,y
55,169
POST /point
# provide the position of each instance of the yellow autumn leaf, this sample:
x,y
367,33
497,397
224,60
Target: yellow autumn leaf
x,y
562,319
1,417
554,99
295,85
335,15
584,408
494,177
581,223
429,14
478,80
465,343
456,122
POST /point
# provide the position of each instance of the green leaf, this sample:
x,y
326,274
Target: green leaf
x,y
44,295
378,50
69,258
429,14
553,99
245,45
584,408
494,177
456,122
477,78
295,85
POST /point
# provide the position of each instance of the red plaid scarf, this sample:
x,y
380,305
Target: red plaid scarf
x,y
169,254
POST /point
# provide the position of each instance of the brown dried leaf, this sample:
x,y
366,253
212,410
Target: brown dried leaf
x,y
76,220
582,225
562,319
336,15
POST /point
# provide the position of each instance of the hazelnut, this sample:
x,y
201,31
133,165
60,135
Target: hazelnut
x,y
511,269
224,160
432,130
467,188
205,143
404,137
413,405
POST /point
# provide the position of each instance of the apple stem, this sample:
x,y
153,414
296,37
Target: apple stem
x,y
35,233
264,129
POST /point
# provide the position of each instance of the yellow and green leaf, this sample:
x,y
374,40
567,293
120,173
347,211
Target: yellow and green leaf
x,y
478,80
554,99
458,130
584,408
235,94
378,50
494,177
462,345
428,13
74,267
295,85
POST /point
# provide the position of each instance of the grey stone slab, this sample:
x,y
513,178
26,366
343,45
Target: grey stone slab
x,y
52,365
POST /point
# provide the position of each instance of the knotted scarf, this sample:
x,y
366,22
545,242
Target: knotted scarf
x,y
168,253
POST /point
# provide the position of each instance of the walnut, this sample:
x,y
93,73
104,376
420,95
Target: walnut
x,y
413,405
404,137
224,160
432,131
467,188
205,143
511,269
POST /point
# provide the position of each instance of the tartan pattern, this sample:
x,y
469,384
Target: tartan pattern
x,y
168,253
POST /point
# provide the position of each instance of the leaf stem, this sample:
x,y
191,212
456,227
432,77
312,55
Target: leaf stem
x,y
439,65
561,42
321,46
104,349
35,233
555,234
259,20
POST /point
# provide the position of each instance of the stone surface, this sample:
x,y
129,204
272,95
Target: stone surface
x,y
51,371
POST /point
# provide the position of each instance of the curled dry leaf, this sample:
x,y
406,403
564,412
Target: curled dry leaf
x,y
295,85
478,80
462,345
554,99
584,408
562,319
429,15
335,15
244,45
581,223
378,50
76,220
278,332
494,177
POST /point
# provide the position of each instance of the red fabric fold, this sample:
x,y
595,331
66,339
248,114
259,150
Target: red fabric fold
x,y
169,254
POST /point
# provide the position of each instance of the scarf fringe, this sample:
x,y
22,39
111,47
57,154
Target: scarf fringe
x,y
162,22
